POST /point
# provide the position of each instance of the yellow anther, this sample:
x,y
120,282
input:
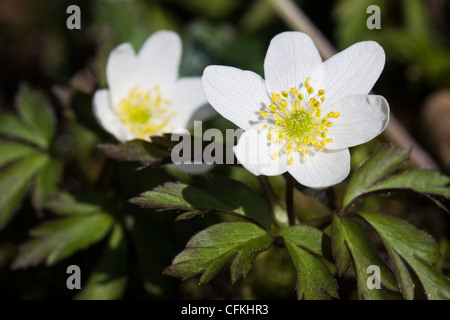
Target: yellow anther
x,y
322,99
265,126
275,155
276,115
321,92
310,90
291,161
278,96
273,107
263,113
300,96
294,91
323,134
329,140
284,94
329,124
299,148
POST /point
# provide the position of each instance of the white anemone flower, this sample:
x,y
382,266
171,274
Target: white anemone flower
x,y
306,113
146,96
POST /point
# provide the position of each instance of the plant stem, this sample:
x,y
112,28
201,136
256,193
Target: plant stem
x,y
290,199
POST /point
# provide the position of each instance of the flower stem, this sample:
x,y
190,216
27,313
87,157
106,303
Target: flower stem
x,y
290,199
272,202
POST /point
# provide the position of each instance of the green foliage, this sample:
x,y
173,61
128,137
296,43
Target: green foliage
x,y
314,279
211,248
351,243
58,239
27,160
14,180
375,175
374,170
108,280
215,194
405,243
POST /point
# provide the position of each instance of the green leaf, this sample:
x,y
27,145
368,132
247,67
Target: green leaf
x,y
108,280
11,151
14,180
422,181
61,238
309,238
46,183
314,279
68,204
133,151
216,194
374,169
37,114
349,236
415,247
211,248
11,126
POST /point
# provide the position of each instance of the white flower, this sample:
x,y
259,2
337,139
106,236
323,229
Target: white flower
x,y
145,95
306,114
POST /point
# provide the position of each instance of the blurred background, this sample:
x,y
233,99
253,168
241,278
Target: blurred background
x,y
63,68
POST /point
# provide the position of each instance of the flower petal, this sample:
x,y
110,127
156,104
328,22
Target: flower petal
x,y
188,102
108,118
352,71
237,95
290,59
159,59
322,168
255,152
362,118
121,72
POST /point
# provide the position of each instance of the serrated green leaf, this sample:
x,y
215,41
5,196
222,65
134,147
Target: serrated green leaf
x,y
309,238
11,126
217,194
422,181
178,196
36,113
68,204
46,183
133,151
14,180
11,151
347,232
374,169
314,279
108,280
61,238
211,248
415,247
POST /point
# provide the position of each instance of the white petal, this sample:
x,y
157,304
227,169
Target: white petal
x,y
255,153
322,168
290,59
121,72
188,102
159,59
237,95
108,118
362,118
352,71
